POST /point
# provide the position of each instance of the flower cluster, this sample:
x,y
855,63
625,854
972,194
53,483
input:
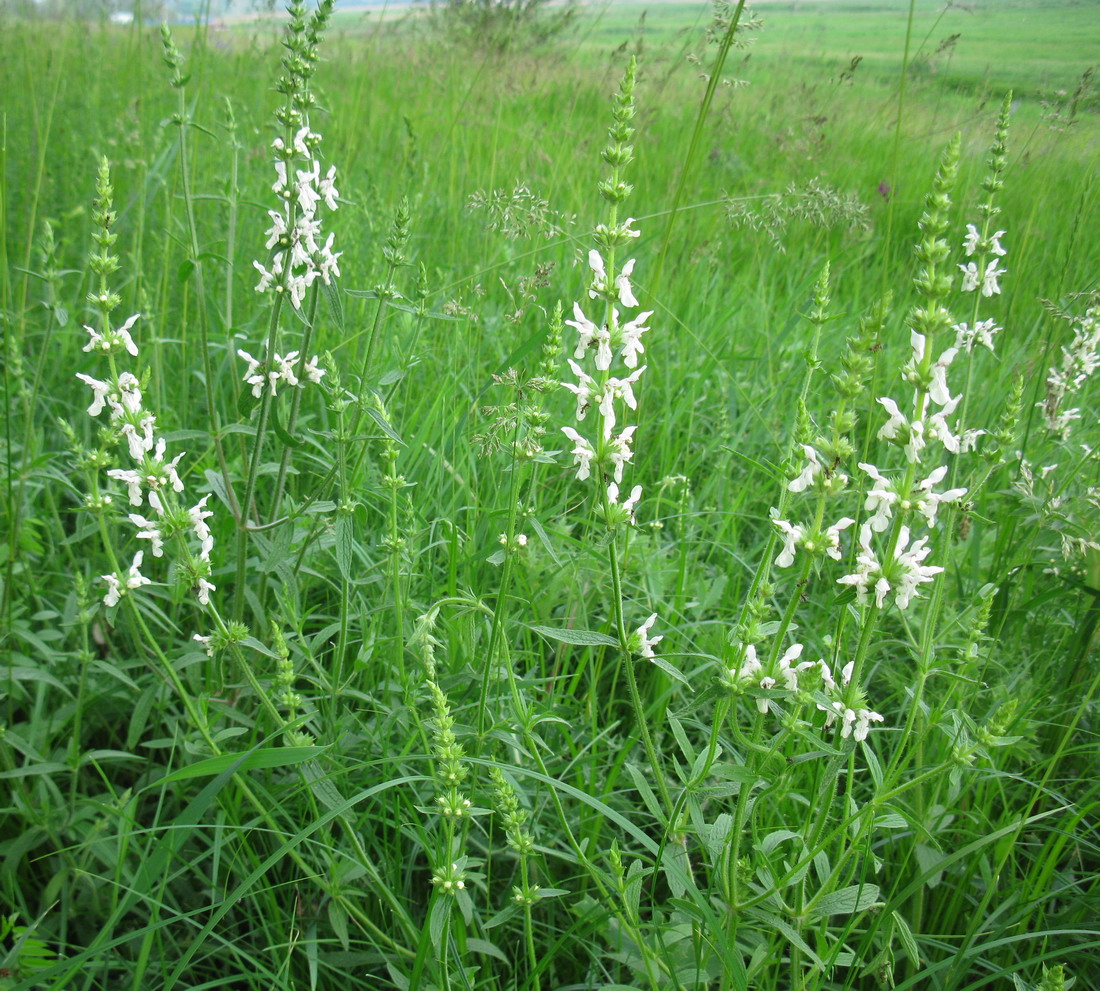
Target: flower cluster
x,y
1080,359
609,337
152,479
808,679
300,253
280,369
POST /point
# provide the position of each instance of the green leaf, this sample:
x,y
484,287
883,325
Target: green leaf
x,y
285,438
335,304
260,648
344,546
845,901
338,919
578,638
384,425
438,919
183,273
671,671
246,402
264,757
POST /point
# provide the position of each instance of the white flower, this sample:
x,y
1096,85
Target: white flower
x,y
622,283
901,431
599,279
205,643
913,572
285,368
938,428
988,279
139,436
161,472
123,334
937,389
114,340
832,536
619,451
646,642
617,389
297,285
927,501
269,278
867,568
788,673
880,499
277,231
329,266
203,590
809,473
119,586
856,724
100,391
302,141
629,503
582,452
308,197
149,530
313,372
132,480
974,240
583,390
280,183
981,333
328,191
792,535
897,422
631,340
198,515
589,333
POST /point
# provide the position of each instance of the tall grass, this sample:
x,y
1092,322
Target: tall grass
x,y
458,717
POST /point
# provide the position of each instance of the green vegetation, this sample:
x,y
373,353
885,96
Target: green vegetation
x,y
411,685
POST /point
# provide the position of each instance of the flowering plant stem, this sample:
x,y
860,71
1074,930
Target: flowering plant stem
x,y
627,654
254,469
295,399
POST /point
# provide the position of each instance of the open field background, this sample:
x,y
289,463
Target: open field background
x,y
137,854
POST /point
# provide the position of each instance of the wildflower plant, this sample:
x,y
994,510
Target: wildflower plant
x,y
820,718
607,364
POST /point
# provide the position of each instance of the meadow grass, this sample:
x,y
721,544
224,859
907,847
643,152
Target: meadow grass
x,y
432,740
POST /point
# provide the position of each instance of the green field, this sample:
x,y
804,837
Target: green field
x,y
705,601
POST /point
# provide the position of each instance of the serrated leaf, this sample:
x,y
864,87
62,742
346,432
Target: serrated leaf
x,y
335,304
285,438
338,919
260,648
845,901
907,940
489,949
772,840
671,671
437,919
384,425
246,403
578,638
645,791
344,545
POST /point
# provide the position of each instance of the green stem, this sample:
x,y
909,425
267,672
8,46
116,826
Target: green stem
x,y
254,468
